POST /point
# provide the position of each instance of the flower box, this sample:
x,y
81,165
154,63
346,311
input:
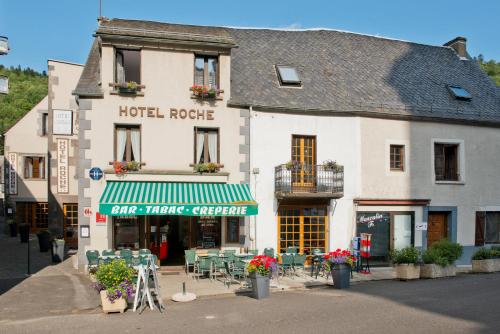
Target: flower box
x,y
436,271
407,272
260,285
485,266
118,305
204,92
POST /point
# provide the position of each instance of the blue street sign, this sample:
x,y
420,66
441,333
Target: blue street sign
x,y
95,173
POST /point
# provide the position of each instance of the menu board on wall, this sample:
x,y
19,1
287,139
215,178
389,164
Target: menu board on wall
x,y
62,123
377,224
209,232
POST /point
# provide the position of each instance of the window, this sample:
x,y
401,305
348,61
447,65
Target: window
x,y
459,93
34,168
446,162
397,157
34,214
206,71
42,215
233,229
128,66
206,145
128,143
71,224
288,76
487,228
45,124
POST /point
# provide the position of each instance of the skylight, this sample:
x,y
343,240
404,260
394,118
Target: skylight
x,y
459,93
288,75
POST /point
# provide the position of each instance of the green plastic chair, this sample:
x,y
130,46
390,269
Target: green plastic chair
x,y
189,259
231,272
316,262
299,261
108,252
291,250
253,251
269,252
144,251
135,261
286,264
203,266
218,266
228,251
126,254
92,258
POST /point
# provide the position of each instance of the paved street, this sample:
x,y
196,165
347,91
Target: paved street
x,y
465,304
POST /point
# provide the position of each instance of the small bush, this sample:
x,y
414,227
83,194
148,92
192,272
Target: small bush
x,y
113,274
487,253
407,255
443,253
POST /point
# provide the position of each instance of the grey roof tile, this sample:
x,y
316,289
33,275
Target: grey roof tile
x,y
89,84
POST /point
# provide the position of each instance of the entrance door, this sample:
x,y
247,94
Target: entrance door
x,y
71,225
437,227
402,230
303,227
304,152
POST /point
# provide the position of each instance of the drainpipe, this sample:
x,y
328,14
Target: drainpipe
x,y
250,110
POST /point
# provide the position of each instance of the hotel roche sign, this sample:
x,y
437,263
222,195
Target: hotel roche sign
x,y
172,113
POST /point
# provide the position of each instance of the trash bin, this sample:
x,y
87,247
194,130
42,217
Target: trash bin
x,y
24,232
58,250
44,240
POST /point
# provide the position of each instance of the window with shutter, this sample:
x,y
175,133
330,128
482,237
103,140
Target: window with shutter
x,y
480,217
446,162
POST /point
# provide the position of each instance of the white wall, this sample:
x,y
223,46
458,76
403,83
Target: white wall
x,y
270,144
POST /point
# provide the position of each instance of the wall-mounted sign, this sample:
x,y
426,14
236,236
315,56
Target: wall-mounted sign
x,y
178,210
12,173
100,218
84,231
95,173
174,113
62,166
87,211
421,226
62,123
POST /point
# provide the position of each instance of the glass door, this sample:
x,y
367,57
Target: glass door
x,y
304,155
402,230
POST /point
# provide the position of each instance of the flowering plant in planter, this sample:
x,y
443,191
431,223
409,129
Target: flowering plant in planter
x,y
123,167
209,167
339,256
129,87
262,265
331,165
116,279
205,91
292,165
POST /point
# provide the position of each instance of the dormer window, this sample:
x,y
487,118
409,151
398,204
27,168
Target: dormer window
x,y
128,66
460,93
288,75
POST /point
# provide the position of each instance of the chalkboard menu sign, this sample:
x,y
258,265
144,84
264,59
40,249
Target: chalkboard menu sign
x,y
378,224
208,231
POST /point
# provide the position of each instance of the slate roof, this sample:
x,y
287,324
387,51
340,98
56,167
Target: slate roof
x,y
89,84
340,72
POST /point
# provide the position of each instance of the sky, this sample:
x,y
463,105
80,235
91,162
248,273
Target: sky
x,y
62,29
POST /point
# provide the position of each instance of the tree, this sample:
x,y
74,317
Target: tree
x,y
491,67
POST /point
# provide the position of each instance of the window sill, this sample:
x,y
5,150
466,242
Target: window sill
x,y
168,172
33,179
217,98
117,91
451,182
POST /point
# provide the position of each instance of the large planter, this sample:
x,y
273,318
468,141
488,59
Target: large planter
x,y
407,272
341,274
58,250
486,266
13,230
44,241
260,286
118,305
436,271
24,232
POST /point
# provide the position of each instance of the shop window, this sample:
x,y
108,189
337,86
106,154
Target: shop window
x,y
128,66
127,143
233,229
206,71
41,215
206,232
34,168
206,146
126,232
397,158
446,162
487,228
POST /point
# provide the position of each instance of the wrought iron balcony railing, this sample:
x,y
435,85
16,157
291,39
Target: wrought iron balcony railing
x,y
309,181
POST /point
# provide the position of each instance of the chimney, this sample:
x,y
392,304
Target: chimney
x,y
459,44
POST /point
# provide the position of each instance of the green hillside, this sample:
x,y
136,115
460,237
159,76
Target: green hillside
x,y
491,67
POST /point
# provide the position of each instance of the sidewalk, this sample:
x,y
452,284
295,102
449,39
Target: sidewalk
x,y
171,283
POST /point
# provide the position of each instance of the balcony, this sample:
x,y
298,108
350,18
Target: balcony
x,y
308,181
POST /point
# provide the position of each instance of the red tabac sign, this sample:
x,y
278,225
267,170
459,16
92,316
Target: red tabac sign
x,y
100,218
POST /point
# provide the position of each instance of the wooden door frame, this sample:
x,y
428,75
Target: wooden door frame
x,y
452,221
301,224
314,156
446,219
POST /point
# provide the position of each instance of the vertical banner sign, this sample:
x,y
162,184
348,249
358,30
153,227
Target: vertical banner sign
x,y
63,122
62,166
12,173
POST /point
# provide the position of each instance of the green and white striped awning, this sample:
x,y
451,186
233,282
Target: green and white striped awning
x,y
137,198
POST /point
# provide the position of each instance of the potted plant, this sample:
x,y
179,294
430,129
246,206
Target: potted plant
x,y
439,259
486,260
114,284
330,165
205,92
339,264
209,167
44,240
405,261
260,269
130,87
12,227
292,165
123,167
24,232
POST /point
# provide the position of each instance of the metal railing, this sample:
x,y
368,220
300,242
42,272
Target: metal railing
x,y
308,179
